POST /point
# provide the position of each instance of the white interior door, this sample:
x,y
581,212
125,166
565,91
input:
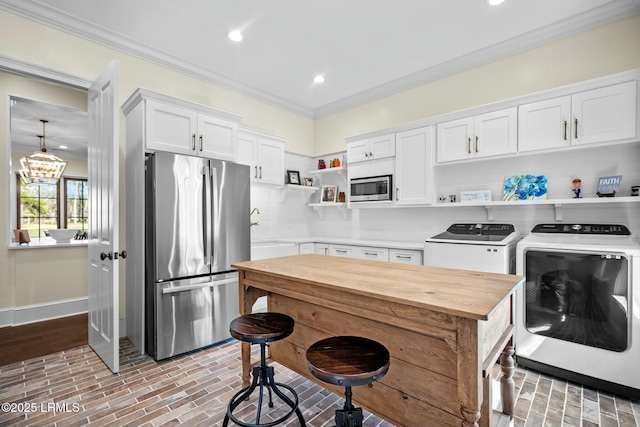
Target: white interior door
x,y
103,217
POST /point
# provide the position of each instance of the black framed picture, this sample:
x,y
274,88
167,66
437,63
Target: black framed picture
x,y
293,177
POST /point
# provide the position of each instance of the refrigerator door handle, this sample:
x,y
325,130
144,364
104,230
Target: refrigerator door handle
x,y
176,289
206,205
214,220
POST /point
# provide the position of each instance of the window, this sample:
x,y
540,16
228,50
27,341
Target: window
x,y
38,207
76,203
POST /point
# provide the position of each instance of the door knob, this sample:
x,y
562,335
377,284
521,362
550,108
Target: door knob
x,y
122,254
104,256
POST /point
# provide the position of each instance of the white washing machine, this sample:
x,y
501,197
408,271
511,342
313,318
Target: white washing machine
x,y
480,247
578,313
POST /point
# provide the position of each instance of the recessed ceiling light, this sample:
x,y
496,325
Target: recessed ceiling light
x,y
63,147
319,78
494,2
236,36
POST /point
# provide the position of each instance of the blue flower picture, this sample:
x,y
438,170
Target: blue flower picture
x,y
525,187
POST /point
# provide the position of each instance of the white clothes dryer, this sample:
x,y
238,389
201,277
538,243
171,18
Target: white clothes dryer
x,y
578,312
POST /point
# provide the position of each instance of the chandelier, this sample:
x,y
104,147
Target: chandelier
x,y
41,167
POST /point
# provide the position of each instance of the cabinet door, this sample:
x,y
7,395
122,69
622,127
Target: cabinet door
x,y
495,133
383,146
247,152
171,128
321,248
358,151
373,254
414,172
306,248
405,256
605,114
343,251
544,125
217,138
270,161
454,139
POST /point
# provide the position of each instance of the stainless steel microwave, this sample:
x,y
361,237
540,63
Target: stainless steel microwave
x,y
371,189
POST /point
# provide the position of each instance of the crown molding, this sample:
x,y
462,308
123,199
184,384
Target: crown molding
x,y
602,15
43,13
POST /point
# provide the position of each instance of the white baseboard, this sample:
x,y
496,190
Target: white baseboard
x,y
16,316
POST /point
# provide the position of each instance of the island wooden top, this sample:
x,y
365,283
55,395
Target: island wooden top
x,y
461,293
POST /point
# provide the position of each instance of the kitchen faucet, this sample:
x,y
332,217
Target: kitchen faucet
x,y
257,211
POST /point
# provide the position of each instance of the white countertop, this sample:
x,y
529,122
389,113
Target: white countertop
x,y
47,242
346,241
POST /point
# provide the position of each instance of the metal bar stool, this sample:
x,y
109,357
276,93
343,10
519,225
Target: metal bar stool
x,y
262,328
348,361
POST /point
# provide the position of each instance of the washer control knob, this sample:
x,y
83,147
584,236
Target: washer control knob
x,y
576,227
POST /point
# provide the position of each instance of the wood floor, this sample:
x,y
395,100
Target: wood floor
x,y
74,388
38,339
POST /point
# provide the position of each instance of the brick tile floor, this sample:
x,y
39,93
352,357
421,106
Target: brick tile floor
x,y
74,388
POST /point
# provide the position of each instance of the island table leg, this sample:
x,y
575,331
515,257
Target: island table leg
x,y
507,386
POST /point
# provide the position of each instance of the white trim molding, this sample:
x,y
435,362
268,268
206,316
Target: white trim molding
x,y
26,314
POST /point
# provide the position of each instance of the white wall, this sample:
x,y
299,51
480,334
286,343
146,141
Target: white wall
x,y
599,52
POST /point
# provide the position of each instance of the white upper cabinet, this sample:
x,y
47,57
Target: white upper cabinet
x,y
605,114
599,115
414,172
181,130
545,125
375,148
484,135
216,138
264,154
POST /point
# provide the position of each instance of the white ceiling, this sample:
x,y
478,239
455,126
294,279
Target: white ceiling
x,y
365,48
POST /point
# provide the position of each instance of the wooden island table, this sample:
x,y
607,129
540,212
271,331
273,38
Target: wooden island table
x,y
445,329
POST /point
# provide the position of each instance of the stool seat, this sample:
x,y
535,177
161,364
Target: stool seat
x,y
261,328
348,361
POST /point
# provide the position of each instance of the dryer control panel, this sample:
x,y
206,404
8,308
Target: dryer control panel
x,y
608,229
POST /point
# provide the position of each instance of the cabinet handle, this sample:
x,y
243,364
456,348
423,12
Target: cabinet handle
x,y
260,172
469,145
397,194
403,257
371,253
366,155
565,130
255,175
576,126
200,142
476,144
370,154
193,143
342,251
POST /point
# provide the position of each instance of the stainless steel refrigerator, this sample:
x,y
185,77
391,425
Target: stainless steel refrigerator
x,y
197,225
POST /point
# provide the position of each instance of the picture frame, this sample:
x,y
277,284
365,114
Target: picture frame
x,y
475,196
308,182
329,194
293,177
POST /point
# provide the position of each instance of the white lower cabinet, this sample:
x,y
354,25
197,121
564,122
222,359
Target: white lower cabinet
x,y
342,250
306,248
405,256
373,254
321,248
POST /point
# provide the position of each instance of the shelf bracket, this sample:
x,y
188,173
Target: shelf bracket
x,y
558,208
489,212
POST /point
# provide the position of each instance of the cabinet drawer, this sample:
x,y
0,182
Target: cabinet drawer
x,y
375,254
405,256
342,250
